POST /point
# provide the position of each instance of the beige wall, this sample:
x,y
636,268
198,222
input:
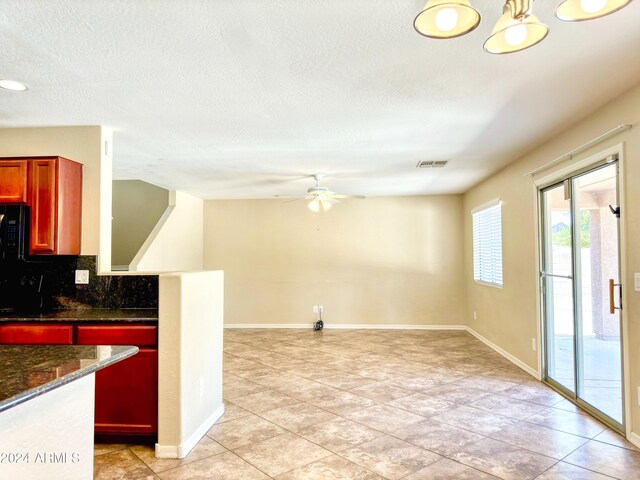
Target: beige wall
x,y
507,316
387,261
190,359
137,207
84,145
175,244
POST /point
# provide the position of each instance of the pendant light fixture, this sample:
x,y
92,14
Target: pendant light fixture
x,y
446,19
517,29
580,10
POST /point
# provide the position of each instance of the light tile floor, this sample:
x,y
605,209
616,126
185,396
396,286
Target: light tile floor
x,y
370,404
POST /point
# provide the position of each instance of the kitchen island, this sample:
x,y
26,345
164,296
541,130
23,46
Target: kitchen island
x,y
47,408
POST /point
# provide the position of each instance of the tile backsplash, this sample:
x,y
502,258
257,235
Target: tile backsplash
x,y
49,283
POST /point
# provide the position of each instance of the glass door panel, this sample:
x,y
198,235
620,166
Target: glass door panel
x,y
599,355
558,287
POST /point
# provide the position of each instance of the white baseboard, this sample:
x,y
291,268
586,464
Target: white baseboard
x,y
355,326
345,326
193,440
634,438
166,451
269,325
519,363
182,450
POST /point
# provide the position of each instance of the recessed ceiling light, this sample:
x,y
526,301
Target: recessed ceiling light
x,y
13,85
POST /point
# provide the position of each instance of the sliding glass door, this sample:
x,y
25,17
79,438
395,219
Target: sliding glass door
x,y
557,275
581,291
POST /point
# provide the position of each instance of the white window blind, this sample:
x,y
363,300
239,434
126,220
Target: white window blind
x,y
487,244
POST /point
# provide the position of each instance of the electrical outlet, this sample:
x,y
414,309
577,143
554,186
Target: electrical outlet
x,y
637,282
534,345
82,277
475,315
321,308
315,309
201,387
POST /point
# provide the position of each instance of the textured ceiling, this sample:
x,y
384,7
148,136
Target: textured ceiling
x,y
242,99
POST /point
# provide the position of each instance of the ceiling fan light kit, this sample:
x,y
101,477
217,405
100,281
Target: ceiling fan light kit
x,y
320,197
517,29
315,204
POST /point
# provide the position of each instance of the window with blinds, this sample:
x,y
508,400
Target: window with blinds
x,y
487,244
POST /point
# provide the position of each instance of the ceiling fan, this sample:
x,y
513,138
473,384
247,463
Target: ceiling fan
x,y
320,196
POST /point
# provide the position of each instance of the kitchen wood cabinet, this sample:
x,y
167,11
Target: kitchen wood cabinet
x,y
127,392
138,335
127,396
41,334
52,188
55,198
13,183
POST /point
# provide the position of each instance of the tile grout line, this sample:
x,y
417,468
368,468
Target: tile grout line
x,y
376,402
226,450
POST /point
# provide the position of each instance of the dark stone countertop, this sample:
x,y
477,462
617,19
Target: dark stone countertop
x,y
27,371
96,315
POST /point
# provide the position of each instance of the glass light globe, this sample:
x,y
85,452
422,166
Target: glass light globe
x,y
447,19
516,35
592,6
314,205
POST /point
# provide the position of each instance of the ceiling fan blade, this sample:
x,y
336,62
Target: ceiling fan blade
x,y
338,195
331,200
297,199
290,196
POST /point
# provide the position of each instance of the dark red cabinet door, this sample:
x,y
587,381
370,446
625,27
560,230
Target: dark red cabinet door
x,y
42,199
13,181
127,396
127,391
55,198
21,334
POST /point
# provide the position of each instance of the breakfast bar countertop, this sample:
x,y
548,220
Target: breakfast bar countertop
x,y
98,315
32,370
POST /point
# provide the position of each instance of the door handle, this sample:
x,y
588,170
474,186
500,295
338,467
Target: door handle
x,y
615,211
612,302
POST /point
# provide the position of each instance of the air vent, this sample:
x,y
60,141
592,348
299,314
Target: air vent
x,y
432,164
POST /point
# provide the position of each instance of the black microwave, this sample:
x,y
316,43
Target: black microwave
x,y
13,232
